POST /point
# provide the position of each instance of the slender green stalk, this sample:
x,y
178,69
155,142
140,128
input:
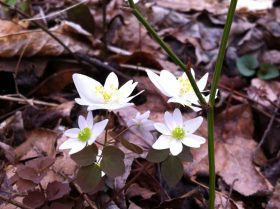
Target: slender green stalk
x,y
168,50
210,116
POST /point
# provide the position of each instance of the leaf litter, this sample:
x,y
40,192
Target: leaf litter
x,y
40,176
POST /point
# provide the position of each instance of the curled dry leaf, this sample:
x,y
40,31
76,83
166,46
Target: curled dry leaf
x,y
57,190
38,42
233,155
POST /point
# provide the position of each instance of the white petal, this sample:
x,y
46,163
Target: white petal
x,y
169,121
143,116
177,115
81,101
111,81
201,84
92,139
176,147
169,82
72,133
192,125
179,100
194,108
99,127
89,120
190,142
68,144
82,122
86,88
98,107
130,98
118,106
126,89
160,127
196,138
78,147
193,73
156,81
162,142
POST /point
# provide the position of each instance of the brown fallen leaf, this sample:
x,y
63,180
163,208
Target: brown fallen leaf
x,y
38,143
233,154
224,203
136,190
38,42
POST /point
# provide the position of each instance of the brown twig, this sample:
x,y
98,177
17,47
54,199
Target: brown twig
x,y
26,101
14,202
268,128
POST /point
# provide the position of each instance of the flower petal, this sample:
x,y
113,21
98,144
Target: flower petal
x,y
160,127
177,115
86,87
196,138
169,121
201,84
82,122
192,125
176,147
72,133
78,147
111,81
190,142
126,90
156,81
169,82
99,127
89,120
162,142
68,144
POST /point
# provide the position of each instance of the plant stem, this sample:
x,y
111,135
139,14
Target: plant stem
x,y
168,50
210,116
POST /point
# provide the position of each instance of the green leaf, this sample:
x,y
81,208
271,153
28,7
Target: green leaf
x,y
86,156
172,170
112,162
82,16
157,156
186,154
247,65
88,178
268,71
11,2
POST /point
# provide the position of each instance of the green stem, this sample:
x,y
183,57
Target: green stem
x,y
216,77
168,50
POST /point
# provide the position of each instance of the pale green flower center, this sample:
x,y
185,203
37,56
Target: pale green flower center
x,y
178,133
107,95
84,134
185,85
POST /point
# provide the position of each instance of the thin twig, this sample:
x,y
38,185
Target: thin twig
x,y
268,128
27,101
56,13
45,29
14,202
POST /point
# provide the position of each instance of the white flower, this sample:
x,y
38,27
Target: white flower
x,y
98,160
142,124
179,90
135,1
109,96
176,132
85,135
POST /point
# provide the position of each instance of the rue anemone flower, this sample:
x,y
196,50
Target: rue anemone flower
x,y
86,134
109,97
142,124
178,90
176,133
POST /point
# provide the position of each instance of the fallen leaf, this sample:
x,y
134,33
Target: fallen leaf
x,y
34,199
57,190
274,202
136,190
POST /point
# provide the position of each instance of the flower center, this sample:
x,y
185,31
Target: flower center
x,y
185,85
106,94
84,134
178,133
